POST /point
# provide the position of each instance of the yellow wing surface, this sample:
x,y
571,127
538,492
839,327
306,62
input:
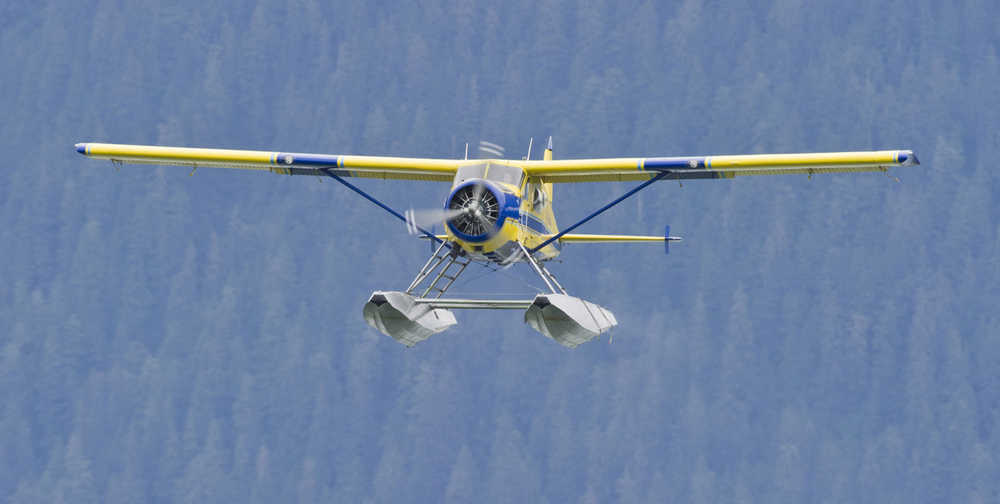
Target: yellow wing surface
x,y
284,163
443,170
709,167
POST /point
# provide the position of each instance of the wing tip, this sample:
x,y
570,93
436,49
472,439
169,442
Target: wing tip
x,y
81,148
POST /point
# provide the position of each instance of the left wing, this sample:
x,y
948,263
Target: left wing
x,y
714,167
285,163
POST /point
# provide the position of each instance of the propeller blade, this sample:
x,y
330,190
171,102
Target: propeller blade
x,y
428,217
490,149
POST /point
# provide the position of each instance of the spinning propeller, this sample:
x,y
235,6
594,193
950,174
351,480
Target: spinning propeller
x,y
472,210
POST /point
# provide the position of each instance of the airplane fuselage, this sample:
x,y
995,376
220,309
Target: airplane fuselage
x,y
498,208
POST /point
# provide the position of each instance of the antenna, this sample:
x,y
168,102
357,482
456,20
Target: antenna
x,y
466,150
530,142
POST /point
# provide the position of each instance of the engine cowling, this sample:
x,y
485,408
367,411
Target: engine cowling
x,y
481,207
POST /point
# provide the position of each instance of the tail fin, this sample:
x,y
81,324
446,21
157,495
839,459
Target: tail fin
x,y
667,239
547,156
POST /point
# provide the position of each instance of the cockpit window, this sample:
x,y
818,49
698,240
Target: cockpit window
x,y
470,172
503,173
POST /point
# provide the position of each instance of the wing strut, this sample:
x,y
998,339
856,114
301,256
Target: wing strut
x,y
329,173
621,198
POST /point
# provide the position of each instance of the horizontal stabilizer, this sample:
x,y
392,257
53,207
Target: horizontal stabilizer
x,y
602,238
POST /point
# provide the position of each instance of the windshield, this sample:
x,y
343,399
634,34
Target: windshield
x,y
469,172
507,174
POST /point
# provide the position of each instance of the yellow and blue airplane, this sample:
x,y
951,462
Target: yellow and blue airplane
x,y
499,211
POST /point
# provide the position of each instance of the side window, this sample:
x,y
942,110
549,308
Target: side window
x,y
535,192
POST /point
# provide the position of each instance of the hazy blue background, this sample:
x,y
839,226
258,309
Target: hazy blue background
x,y
166,338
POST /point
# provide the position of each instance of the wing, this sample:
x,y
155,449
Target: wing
x,y
284,163
713,167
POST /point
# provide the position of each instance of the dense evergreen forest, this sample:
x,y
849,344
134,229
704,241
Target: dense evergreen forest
x,y
175,338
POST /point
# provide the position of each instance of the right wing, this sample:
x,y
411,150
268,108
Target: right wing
x,y
285,163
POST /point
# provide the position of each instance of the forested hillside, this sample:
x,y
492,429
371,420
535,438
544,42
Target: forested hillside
x,y
175,338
